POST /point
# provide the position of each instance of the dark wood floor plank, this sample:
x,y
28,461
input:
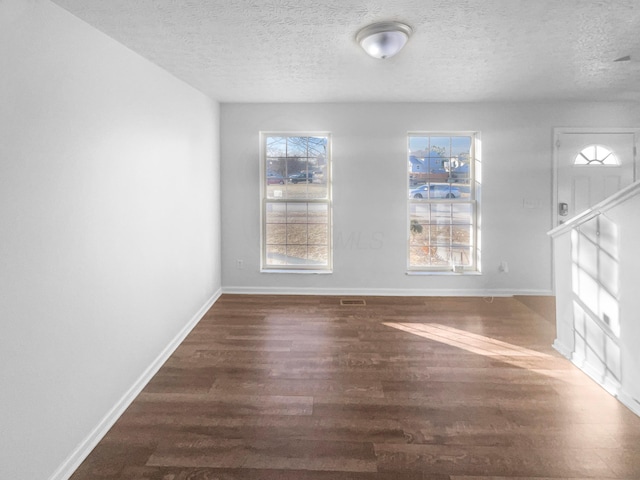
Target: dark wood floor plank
x,y
223,404
482,460
406,388
173,473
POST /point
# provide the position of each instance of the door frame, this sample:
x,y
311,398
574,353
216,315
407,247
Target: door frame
x,y
558,131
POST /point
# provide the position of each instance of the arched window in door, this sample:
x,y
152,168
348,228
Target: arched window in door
x,y
596,155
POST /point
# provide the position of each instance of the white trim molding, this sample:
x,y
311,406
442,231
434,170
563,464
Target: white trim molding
x,y
381,292
73,461
562,349
629,402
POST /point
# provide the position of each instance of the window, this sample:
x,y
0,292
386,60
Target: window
x,y
296,202
442,206
596,155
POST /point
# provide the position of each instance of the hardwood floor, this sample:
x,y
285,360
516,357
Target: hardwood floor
x,y
302,388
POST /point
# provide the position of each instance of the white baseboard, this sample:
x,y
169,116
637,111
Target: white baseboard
x,y
613,387
66,469
562,349
381,292
629,402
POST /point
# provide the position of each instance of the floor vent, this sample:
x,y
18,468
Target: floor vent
x,y
347,302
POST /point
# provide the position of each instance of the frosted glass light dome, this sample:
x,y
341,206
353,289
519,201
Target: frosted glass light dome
x,y
385,39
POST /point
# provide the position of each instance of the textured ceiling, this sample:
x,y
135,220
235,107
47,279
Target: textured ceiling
x,y
305,50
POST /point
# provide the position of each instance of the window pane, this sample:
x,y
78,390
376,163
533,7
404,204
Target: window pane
x,y
276,177
296,169
318,255
460,161
461,256
589,152
318,147
420,192
296,212
603,154
318,189
318,213
317,234
276,255
462,175
441,201
276,213
296,254
440,147
276,234
596,155
441,213
440,255
297,147
421,213
296,234
302,178
277,192
440,235
428,256
428,161
462,213
276,147
461,147
418,257
461,235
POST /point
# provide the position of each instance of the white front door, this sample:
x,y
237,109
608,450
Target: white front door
x,y
590,166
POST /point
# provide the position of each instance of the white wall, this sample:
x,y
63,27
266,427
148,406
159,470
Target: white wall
x,y
369,169
626,217
597,268
109,228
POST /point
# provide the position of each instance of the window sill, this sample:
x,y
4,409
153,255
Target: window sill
x,y
284,270
447,273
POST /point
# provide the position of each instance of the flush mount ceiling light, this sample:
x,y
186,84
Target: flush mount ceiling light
x,y
384,39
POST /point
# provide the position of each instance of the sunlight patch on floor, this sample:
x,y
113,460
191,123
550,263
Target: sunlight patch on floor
x,y
472,342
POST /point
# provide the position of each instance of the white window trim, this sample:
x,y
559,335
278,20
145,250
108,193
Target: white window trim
x,y
301,269
475,175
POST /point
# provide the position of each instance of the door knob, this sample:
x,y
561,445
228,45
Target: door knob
x,y
563,209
